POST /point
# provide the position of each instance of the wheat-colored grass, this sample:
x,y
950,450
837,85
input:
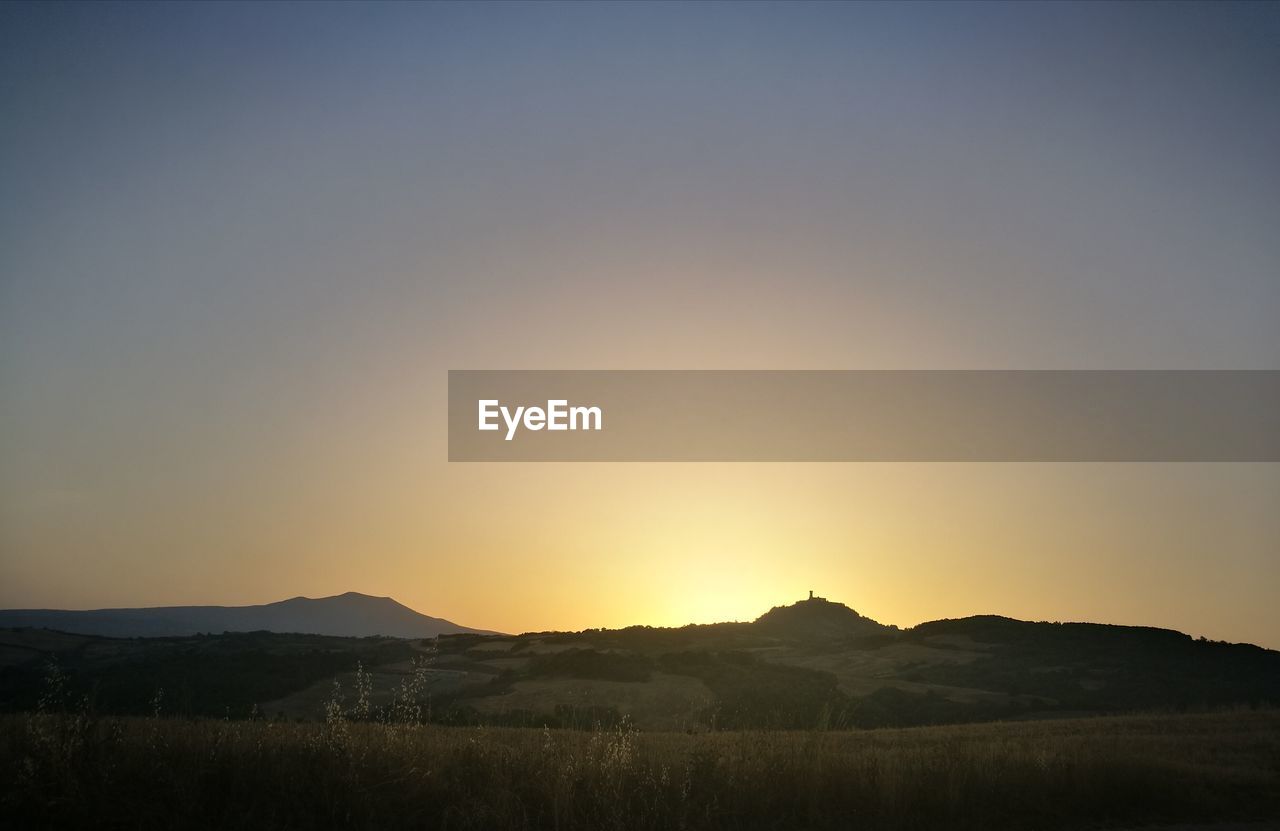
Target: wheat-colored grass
x,y
72,770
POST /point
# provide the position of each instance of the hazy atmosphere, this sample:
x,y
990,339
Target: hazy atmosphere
x,y
240,247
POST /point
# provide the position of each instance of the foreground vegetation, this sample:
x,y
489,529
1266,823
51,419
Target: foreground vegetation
x,y
71,769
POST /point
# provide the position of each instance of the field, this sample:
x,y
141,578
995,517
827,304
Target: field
x,y
68,770
810,717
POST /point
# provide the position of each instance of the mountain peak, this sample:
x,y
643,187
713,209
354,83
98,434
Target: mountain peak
x,y
360,597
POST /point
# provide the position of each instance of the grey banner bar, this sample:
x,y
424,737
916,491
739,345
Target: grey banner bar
x,y
865,415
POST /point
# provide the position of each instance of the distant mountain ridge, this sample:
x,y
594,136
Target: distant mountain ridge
x,y
346,615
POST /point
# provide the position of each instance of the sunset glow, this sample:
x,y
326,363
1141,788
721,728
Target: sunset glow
x,y
240,255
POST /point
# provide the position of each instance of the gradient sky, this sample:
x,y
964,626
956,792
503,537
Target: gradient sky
x,y
240,245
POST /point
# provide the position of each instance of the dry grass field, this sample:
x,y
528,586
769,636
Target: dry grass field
x,y
67,770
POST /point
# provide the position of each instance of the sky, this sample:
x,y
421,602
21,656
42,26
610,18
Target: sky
x,y
241,245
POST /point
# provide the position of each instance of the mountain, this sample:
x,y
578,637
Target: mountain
x,y
349,615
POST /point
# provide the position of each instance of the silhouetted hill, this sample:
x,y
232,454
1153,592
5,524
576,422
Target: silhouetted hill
x,y
345,615
814,663
1088,665
818,617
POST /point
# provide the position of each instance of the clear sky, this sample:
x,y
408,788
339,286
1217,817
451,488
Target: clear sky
x,y
240,245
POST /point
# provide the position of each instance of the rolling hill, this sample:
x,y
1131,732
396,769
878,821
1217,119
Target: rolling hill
x,y
812,664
